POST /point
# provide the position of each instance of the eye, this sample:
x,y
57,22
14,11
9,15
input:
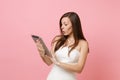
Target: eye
x,y
65,24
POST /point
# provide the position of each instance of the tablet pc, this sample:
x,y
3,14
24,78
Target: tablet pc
x,y
47,52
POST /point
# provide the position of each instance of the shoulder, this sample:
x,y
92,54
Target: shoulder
x,y
83,45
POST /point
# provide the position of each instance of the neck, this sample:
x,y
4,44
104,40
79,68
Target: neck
x,y
70,40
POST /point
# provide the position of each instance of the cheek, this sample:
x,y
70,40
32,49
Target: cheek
x,y
69,29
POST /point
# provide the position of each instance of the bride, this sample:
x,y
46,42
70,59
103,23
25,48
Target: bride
x,y
69,49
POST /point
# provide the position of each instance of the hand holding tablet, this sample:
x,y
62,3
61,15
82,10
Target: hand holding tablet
x,y
35,38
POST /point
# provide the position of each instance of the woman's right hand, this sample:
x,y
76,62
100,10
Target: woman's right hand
x,y
40,48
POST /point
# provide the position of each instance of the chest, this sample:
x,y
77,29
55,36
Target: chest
x,y
62,55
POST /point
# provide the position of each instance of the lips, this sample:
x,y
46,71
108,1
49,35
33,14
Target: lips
x,y
63,31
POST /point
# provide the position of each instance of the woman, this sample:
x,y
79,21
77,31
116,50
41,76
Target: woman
x,y
69,49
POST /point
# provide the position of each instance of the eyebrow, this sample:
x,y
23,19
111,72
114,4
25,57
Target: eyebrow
x,y
64,22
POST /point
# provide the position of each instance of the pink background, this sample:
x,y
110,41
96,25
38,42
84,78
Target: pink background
x,y
19,59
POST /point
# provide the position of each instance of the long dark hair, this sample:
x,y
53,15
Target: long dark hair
x,y
76,27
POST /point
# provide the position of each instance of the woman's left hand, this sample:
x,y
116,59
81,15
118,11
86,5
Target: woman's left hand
x,y
55,61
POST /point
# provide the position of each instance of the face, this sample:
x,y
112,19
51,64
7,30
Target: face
x,y
66,26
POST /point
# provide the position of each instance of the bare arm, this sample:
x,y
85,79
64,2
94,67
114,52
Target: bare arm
x,y
47,60
77,67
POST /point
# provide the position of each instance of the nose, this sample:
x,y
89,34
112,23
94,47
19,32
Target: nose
x,y
62,27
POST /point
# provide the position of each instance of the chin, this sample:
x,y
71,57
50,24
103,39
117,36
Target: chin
x,y
65,34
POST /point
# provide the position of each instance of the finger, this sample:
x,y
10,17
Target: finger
x,y
52,59
41,50
48,56
39,45
37,40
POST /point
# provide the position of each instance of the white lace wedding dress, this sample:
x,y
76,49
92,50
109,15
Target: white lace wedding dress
x,y
58,73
